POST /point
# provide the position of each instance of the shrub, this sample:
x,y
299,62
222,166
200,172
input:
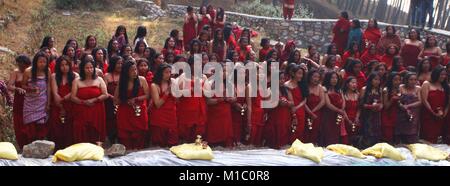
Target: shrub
x,y
79,4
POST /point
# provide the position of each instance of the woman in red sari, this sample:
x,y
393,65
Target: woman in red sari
x,y
411,48
88,94
219,132
352,53
191,109
264,51
61,117
369,55
446,55
170,45
314,105
354,68
341,30
205,44
424,70
435,95
179,45
432,51
243,49
36,101
255,116
131,95
288,9
189,27
333,114
389,55
332,51
219,21
89,45
218,45
203,18
389,38
101,62
372,34
15,85
298,93
144,71
352,124
288,49
391,97
163,109
112,79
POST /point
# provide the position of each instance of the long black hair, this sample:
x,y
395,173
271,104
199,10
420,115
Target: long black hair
x,y
435,78
110,48
390,82
369,87
166,43
136,48
395,64
291,58
420,66
34,66
66,49
86,44
220,13
123,82
94,54
346,82
158,78
216,42
113,63
195,41
58,73
327,81
302,84
46,42
70,40
81,66
350,64
140,33
121,27
330,49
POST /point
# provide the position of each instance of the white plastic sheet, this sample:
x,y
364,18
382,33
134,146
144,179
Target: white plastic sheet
x,y
258,157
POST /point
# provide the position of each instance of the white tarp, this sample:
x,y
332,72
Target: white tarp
x,y
257,157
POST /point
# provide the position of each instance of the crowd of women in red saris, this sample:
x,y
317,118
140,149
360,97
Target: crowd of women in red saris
x,y
389,90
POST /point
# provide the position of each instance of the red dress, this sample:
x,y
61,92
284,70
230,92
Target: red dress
x,y
18,117
367,57
52,65
446,60
360,78
149,78
263,54
373,35
130,127
298,98
331,129
111,120
312,132
278,127
347,55
175,52
89,121
388,60
340,38
243,52
433,127
389,120
189,33
239,121
219,131
191,114
61,133
202,22
257,121
434,58
288,12
163,122
410,54
219,50
351,108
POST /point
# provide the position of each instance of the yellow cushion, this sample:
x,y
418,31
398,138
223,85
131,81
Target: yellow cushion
x,y
8,151
192,151
306,151
346,150
384,150
79,152
423,151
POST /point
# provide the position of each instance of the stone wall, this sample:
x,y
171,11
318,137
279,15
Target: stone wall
x,y
304,31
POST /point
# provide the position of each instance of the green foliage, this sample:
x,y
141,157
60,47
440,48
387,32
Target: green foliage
x,y
80,4
260,9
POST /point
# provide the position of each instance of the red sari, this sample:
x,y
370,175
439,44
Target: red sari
x,y
18,117
360,78
434,58
367,57
351,108
61,133
278,127
202,22
298,98
373,35
175,52
191,114
389,120
131,128
243,52
219,131
340,38
239,121
163,122
446,60
388,60
89,121
263,54
312,132
347,55
433,127
189,33
410,54
331,129
257,121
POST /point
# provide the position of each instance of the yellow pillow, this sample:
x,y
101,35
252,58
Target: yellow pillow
x,y
192,151
384,150
8,151
423,151
306,151
346,150
79,152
